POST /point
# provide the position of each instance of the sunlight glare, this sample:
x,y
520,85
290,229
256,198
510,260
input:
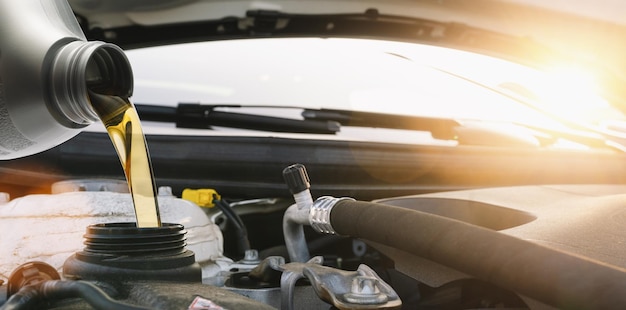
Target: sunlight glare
x,y
570,92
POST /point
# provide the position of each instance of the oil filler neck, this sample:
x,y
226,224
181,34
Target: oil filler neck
x,y
123,252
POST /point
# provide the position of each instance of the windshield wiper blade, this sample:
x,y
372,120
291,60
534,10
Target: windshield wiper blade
x,y
588,138
199,116
440,128
329,121
323,121
449,129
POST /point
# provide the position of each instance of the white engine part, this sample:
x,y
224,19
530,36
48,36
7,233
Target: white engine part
x,y
50,228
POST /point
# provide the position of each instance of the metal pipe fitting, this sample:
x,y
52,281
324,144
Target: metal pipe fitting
x,y
319,215
304,212
293,230
298,214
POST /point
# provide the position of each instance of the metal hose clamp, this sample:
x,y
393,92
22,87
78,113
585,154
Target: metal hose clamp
x,y
319,215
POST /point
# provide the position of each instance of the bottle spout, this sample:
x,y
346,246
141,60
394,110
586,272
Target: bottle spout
x,y
81,67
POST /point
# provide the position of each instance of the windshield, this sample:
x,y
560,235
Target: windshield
x,y
363,75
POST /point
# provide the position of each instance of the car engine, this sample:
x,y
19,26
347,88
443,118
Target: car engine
x,y
78,248
101,257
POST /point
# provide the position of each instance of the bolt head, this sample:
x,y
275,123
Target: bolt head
x,y
364,285
364,291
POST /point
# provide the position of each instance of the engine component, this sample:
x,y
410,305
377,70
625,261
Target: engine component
x,y
362,289
123,252
29,274
30,296
129,295
297,215
531,269
209,198
124,265
303,212
50,228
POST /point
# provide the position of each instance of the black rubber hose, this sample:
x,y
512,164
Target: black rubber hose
x,y
225,207
551,276
243,242
30,296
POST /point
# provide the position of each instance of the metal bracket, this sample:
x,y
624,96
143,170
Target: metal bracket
x,y
360,289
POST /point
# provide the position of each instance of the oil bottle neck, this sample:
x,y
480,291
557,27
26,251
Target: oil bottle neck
x,y
82,66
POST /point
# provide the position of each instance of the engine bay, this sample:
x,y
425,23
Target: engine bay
x,y
462,258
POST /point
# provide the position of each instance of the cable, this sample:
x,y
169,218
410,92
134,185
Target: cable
x,y
30,296
243,243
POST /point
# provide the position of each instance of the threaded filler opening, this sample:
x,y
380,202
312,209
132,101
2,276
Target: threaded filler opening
x,y
127,239
126,246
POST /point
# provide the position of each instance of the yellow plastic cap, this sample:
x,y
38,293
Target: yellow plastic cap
x,y
203,197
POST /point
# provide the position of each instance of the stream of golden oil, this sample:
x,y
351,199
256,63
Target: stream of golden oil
x,y
122,123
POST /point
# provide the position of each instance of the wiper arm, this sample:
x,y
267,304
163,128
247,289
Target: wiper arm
x,y
440,128
192,115
464,132
588,138
323,121
329,121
